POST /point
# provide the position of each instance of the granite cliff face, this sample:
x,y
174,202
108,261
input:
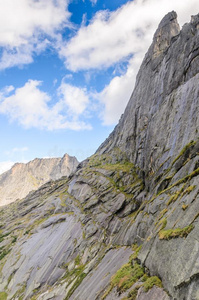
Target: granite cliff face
x,y
23,178
125,225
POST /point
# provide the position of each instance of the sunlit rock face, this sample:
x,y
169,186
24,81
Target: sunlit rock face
x,y
23,178
125,224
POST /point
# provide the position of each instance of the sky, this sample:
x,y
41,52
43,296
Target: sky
x,y
68,68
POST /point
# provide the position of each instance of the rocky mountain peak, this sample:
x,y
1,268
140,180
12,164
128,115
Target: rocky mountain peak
x,y
195,21
167,29
22,178
155,106
125,224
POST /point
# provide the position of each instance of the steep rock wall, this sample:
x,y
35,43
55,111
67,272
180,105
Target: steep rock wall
x,y
162,114
125,225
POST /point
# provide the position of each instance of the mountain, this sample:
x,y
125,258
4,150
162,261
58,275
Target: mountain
x,y
125,224
23,178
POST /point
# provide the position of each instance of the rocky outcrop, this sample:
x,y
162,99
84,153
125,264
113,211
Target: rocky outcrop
x,y
23,178
125,224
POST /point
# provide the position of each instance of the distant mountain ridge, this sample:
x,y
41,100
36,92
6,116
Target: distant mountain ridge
x,y
125,224
22,178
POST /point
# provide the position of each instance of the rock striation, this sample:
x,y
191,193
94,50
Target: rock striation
x,y
125,224
23,178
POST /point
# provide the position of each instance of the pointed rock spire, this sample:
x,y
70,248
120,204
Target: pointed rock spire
x,y
167,29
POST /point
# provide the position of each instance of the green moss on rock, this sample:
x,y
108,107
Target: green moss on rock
x,y
175,233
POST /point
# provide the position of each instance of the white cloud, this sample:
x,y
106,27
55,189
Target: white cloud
x,y
31,107
111,37
26,27
115,96
114,36
75,98
5,166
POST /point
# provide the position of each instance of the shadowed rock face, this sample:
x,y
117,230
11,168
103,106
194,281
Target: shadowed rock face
x,y
23,178
125,225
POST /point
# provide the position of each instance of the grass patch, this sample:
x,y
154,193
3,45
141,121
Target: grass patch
x,y
125,167
175,233
162,213
162,223
174,197
136,250
76,275
3,252
14,239
186,147
124,278
20,293
77,260
3,295
150,282
180,193
180,181
188,190
127,276
133,293
76,284
2,236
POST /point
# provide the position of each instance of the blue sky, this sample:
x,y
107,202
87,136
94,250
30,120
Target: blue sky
x,y
68,68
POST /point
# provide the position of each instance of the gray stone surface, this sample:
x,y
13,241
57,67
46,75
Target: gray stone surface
x,y
94,284
140,187
162,114
154,294
41,257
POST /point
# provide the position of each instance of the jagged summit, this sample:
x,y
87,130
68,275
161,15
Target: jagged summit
x,y
167,29
125,224
150,123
